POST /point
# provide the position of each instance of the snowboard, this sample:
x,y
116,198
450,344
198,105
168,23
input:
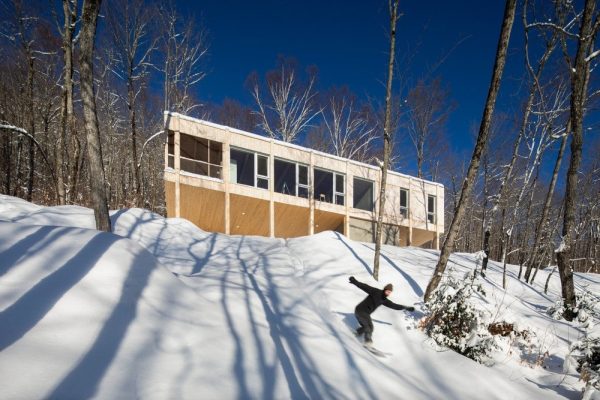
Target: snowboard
x,y
376,351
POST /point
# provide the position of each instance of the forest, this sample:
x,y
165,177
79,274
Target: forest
x,y
82,100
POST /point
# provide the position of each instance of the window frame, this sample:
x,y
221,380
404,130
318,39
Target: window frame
x,y
431,214
404,209
334,192
256,176
355,178
210,166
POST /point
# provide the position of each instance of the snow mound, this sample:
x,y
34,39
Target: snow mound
x,y
161,309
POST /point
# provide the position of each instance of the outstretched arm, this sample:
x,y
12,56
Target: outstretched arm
x,y
391,304
363,286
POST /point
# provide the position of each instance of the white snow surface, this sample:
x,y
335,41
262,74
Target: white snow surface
x,y
160,309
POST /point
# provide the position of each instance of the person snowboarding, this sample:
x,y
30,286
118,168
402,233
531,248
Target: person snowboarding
x,y
365,308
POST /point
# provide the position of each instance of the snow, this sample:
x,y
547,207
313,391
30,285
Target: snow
x,y
161,309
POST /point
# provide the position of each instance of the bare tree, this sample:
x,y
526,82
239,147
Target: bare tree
x,y
448,246
579,78
289,105
387,134
350,131
427,112
89,17
68,129
184,47
130,23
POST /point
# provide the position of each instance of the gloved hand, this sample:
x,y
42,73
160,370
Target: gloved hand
x,y
411,309
352,280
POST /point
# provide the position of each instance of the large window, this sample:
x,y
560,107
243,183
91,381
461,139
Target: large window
x,y
431,200
291,178
248,168
404,202
199,156
363,194
329,187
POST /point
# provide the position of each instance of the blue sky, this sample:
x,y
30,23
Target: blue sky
x,y
348,42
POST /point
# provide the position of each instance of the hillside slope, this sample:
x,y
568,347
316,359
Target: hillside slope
x,y
160,309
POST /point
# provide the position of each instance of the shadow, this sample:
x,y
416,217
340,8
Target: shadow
x,y
18,318
86,376
341,239
413,284
350,320
30,244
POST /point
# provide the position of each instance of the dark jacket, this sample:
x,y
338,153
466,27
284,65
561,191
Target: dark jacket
x,y
375,298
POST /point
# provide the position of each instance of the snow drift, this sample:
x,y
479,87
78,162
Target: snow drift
x,y
160,309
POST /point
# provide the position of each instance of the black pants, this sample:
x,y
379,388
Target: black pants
x,y
366,324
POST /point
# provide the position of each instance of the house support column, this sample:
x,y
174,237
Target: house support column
x,y
311,197
226,177
271,174
177,165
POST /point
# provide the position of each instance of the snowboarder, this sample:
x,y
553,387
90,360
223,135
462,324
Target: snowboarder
x,y
365,308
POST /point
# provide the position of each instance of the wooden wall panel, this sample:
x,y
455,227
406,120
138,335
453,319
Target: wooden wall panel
x,y
249,216
328,221
170,198
291,221
203,207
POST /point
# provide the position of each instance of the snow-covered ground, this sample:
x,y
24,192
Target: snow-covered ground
x,y
160,309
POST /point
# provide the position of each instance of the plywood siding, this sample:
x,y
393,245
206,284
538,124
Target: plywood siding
x,y
170,198
249,216
291,221
203,207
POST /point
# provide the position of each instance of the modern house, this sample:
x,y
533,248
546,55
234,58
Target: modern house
x,y
230,181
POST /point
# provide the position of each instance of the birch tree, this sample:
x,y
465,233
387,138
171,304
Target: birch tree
x,y
349,131
288,107
448,246
184,47
387,134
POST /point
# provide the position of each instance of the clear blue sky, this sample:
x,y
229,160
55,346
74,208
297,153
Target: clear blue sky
x,y
348,42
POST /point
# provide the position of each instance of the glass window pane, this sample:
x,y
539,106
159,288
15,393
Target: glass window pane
x,y
285,177
201,151
302,174
187,146
171,142
170,161
339,183
262,183
339,200
303,191
215,171
403,198
323,185
216,153
242,167
263,165
195,167
431,204
363,194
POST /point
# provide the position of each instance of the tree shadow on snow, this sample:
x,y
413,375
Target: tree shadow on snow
x,y
85,377
21,316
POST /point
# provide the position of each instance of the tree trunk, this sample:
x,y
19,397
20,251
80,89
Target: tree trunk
x,y
136,171
31,107
578,96
68,127
533,256
89,18
448,246
386,136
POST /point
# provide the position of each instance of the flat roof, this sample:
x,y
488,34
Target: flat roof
x,y
292,146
